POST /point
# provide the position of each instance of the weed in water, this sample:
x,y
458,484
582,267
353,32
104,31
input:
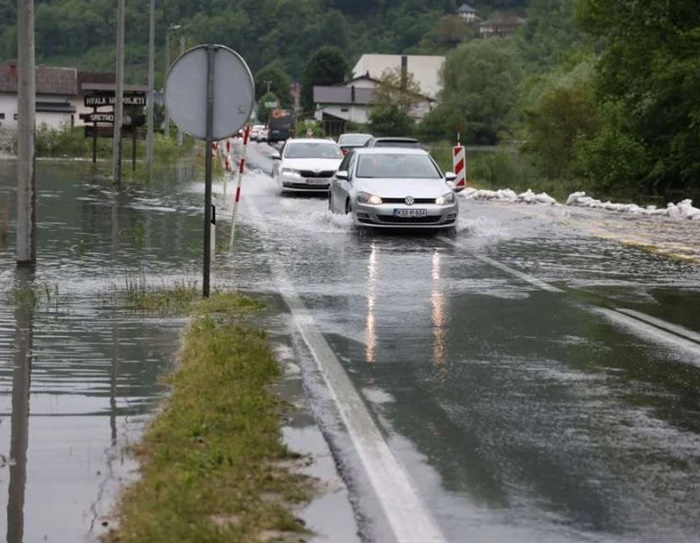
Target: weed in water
x,y
136,234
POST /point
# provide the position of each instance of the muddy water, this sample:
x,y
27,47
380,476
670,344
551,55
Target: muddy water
x,y
78,375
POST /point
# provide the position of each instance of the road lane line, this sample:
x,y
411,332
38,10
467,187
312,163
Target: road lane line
x,y
658,323
649,331
408,516
643,325
524,276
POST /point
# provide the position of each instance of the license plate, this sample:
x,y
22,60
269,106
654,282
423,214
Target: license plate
x,y
317,181
410,213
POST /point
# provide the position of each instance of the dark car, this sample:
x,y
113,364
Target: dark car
x,y
280,125
351,141
393,142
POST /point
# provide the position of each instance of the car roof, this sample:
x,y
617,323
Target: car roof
x,y
355,134
391,138
310,140
389,151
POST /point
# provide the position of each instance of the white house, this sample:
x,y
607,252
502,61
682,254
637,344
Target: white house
x,y
424,68
467,13
55,89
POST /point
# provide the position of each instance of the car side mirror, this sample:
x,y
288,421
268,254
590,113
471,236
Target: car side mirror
x,y
342,174
450,176
275,156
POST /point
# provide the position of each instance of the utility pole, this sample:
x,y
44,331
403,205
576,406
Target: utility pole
x,y
182,52
165,77
119,98
26,128
151,76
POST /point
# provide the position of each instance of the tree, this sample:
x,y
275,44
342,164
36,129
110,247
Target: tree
x,y
549,33
561,112
278,80
389,120
263,109
480,89
327,66
649,71
395,88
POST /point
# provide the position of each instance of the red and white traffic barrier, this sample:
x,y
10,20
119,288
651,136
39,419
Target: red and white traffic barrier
x,y
241,169
459,165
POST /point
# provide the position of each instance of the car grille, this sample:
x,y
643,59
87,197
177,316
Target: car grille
x,y
305,186
403,200
309,173
390,219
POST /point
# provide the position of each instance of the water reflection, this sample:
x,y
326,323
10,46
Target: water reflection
x,y
21,379
95,369
439,316
370,333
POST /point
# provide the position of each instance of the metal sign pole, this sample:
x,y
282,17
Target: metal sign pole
x,y
209,139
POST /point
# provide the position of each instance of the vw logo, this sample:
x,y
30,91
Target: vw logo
x,y
409,200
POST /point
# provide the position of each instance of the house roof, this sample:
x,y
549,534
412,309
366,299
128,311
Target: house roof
x,y
425,69
49,79
504,19
342,95
465,8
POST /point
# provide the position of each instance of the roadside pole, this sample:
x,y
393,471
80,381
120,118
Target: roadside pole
x,y
241,167
26,124
182,52
119,99
150,102
209,139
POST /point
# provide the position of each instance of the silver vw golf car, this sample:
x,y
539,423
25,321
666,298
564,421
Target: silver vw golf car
x,y
394,188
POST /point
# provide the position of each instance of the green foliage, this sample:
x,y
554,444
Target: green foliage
x,y
650,71
327,66
614,161
279,83
303,125
390,120
263,111
549,33
560,109
481,80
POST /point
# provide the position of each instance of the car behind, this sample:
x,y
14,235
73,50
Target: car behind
x,y
306,164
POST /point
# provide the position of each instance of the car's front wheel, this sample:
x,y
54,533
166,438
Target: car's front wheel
x,y
348,207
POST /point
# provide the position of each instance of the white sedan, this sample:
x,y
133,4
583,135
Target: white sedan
x,y
306,164
384,187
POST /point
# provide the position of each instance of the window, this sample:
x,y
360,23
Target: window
x,y
2,116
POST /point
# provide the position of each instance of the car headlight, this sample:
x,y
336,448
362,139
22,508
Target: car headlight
x,y
367,198
291,172
446,199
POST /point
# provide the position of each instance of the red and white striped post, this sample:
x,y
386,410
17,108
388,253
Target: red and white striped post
x,y
241,167
459,165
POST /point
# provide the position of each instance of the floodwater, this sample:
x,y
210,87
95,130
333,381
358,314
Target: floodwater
x,y
79,375
520,413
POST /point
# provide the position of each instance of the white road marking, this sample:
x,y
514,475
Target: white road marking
x,y
409,518
658,323
644,325
651,331
521,275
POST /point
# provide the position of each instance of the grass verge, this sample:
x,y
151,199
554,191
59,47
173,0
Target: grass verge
x,y
213,465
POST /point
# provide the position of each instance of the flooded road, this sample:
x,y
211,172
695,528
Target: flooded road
x,y
538,381
531,380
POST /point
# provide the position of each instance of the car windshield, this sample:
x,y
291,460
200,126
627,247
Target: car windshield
x,y
393,166
313,150
353,139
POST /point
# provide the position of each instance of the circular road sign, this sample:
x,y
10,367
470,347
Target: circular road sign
x,y
186,92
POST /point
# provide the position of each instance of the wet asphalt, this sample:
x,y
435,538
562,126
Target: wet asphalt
x,y
521,414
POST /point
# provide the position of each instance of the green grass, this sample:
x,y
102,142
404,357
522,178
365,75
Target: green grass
x,y
137,294
213,465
